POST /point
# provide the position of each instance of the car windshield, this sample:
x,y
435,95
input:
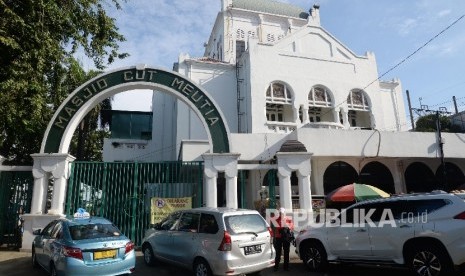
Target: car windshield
x,y
249,223
93,231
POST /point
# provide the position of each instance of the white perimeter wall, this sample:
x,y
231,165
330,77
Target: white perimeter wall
x,y
351,143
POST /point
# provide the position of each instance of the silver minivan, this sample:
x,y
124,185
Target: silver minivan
x,y
211,241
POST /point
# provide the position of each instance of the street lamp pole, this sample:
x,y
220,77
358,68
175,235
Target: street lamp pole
x,y
441,110
441,151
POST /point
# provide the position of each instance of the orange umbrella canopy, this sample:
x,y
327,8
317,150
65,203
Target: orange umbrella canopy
x,y
355,192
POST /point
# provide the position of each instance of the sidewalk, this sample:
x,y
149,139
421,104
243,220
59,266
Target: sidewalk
x,y
6,254
17,263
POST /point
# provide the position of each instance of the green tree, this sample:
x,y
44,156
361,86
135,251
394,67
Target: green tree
x,y
38,39
428,123
87,142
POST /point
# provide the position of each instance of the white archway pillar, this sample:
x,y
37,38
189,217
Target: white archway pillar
x,y
59,195
285,195
56,165
299,162
305,193
220,162
231,191
210,190
39,192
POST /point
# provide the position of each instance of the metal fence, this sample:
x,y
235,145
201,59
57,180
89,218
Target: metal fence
x,y
122,192
15,200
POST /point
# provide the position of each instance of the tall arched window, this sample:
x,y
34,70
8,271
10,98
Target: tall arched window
x,y
359,109
319,105
358,100
319,96
278,103
278,93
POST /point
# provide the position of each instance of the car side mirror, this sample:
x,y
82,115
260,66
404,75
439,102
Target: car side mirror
x,y
37,232
157,226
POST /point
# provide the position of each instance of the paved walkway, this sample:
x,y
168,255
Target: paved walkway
x,y
6,255
16,263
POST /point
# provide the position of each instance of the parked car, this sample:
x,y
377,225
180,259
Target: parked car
x,y
211,241
83,246
425,232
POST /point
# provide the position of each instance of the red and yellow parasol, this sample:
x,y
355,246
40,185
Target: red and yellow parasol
x,y
355,192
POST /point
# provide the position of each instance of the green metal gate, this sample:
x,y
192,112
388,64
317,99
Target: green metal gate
x,y
15,200
272,178
121,192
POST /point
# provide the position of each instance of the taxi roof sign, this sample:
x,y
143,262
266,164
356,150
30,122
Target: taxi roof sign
x,y
81,214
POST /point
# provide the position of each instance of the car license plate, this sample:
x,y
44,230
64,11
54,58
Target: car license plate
x,y
104,254
253,249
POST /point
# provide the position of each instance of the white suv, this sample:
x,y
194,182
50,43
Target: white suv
x,y
211,241
425,232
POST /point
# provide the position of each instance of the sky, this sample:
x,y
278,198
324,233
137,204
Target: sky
x,y
157,31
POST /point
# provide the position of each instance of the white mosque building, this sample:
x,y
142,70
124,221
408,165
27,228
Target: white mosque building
x,y
297,102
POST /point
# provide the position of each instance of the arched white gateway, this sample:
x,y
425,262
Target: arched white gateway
x,y
64,122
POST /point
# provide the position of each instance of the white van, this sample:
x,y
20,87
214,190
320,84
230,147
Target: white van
x,y
211,241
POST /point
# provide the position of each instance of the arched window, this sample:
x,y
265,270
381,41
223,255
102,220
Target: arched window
x,y
378,175
337,175
359,109
278,93
358,100
278,103
419,178
319,105
454,176
319,96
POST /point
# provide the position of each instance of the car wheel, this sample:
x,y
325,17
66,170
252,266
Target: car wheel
x,y
201,268
430,261
53,270
35,264
314,256
149,257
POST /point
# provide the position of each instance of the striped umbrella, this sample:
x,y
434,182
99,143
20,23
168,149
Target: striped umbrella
x,y
355,192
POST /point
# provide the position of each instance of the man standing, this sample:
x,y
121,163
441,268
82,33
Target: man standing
x,y
282,228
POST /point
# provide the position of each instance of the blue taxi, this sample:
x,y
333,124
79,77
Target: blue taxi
x,y
83,245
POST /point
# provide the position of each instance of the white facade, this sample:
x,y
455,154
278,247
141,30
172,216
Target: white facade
x,y
278,75
299,54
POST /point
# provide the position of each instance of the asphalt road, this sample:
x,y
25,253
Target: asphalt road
x,y
19,263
